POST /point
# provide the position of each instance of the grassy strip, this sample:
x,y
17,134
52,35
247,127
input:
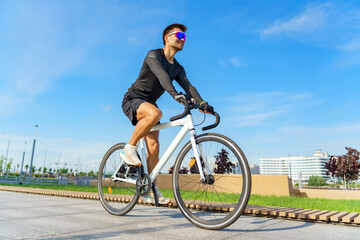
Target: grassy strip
x,y
306,203
74,188
291,202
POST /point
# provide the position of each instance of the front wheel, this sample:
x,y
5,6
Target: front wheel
x,y
220,199
117,197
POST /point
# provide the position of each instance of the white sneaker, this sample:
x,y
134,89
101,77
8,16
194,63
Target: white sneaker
x,y
150,198
129,155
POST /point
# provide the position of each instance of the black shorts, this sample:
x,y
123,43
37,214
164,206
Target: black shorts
x,y
131,103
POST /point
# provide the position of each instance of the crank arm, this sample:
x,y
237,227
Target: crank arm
x,y
123,180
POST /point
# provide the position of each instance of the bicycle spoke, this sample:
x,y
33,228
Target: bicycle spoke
x,y
218,200
117,197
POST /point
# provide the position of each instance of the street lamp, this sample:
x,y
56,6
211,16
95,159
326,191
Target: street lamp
x,y
32,154
44,158
22,164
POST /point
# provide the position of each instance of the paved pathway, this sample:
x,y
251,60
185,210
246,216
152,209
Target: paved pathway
x,y
28,216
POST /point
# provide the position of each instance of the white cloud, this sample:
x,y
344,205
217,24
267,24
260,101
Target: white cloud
x,y
330,25
106,108
310,20
237,62
257,109
255,119
232,61
351,45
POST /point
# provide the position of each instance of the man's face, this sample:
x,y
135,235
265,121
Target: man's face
x,y
173,41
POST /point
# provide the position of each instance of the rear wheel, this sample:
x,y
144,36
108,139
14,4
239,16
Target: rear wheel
x,y
117,197
218,201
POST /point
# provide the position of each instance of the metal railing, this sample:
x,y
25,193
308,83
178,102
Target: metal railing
x,y
62,180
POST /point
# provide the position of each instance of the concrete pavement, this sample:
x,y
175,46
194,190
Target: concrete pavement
x,y
28,216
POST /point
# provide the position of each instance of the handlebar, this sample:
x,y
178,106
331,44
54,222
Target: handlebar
x,y
187,111
215,124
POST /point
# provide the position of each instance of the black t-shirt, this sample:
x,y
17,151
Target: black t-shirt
x,y
156,76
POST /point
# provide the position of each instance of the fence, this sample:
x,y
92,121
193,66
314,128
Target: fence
x,y
62,180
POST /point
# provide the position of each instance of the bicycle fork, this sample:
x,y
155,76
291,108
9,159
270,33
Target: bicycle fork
x,y
198,157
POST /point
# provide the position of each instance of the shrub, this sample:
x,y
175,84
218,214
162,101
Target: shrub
x,y
316,181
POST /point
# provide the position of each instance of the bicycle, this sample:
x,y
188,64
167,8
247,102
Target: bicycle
x,y
211,179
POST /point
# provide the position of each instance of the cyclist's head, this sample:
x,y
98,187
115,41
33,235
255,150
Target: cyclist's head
x,y
173,27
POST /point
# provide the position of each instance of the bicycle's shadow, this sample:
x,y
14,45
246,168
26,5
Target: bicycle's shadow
x,y
166,213
266,227
264,223
247,226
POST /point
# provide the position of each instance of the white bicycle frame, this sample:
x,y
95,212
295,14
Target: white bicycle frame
x,y
188,126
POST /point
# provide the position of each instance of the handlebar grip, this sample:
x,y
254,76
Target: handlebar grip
x,y
186,104
213,125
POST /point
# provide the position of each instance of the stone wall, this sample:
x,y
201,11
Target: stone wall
x,y
279,185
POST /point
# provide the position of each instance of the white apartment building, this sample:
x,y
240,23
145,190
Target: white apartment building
x,y
296,167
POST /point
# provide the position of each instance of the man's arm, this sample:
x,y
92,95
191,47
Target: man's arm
x,y
191,90
157,68
188,88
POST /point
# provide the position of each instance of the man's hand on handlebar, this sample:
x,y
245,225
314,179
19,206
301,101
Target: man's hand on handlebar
x,y
205,107
180,98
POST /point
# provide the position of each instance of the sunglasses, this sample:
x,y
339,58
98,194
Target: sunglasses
x,y
179,35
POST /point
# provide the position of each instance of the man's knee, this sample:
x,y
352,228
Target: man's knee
x,y
149,112
155,115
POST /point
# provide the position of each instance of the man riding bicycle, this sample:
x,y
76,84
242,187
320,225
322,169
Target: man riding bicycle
x,y
159,69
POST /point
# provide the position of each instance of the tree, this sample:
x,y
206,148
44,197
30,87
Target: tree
x,y
183,170
44,170
2,159
345,166
8,166
39,170
316,181
26,168
193,165
223,163
64,170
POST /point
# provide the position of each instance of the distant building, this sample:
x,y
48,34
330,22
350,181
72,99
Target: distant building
x,y
296,167
254,169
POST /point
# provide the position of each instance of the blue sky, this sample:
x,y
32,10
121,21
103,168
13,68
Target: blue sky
x,y
284,75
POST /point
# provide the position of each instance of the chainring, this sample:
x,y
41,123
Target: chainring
x,y
143,185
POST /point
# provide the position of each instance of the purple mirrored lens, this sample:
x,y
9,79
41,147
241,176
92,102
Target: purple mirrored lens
x,y
180,35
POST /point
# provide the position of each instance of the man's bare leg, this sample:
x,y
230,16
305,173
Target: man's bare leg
x,y
148,116
152,146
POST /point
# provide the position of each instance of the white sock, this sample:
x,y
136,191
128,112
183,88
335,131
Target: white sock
x,y
130,147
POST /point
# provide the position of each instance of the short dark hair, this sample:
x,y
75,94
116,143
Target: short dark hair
x,y
171,27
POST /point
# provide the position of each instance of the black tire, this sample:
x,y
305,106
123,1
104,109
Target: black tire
x,y
212,205
118,198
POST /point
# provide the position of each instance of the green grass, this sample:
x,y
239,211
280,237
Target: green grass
x,y
306,203
291,202
75,188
